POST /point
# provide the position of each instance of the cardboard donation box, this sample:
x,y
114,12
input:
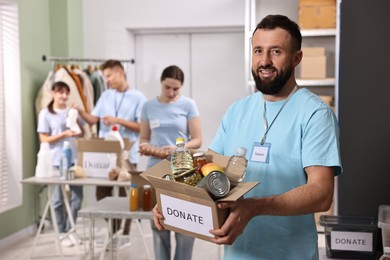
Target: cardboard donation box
x,y
98,156
191,210
317,14
313,65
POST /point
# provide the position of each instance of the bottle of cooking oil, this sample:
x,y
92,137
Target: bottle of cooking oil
x,y
181,159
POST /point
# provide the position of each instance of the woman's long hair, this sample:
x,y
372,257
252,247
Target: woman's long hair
x,y
57,87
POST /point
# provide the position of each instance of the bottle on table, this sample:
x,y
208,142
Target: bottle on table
x,y
44,166
236,167
181,159
114,135
66,160
134,197
147,198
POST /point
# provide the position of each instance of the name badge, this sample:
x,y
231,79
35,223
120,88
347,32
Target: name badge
x,y
154,123
260,153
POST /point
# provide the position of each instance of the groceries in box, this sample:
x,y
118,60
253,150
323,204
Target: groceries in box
x,y
189,209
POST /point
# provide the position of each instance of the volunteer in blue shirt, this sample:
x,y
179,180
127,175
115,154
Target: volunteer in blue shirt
x,y
119,105
292,139
164,118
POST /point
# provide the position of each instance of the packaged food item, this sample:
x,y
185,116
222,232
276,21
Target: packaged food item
x,y
114,135
181,159
134,197
199,160
190,177
147,198
236,167
210,167
44,166
216,184
66,160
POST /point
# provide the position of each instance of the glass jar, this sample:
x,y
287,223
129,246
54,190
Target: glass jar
x,y
147,198
191,177
199,160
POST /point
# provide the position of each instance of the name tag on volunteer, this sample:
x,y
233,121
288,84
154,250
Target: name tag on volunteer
x,y
154,123
260,153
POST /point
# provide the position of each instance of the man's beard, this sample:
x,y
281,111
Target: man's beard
x,y
272,87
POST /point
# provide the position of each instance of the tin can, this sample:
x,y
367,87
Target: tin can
x,y
216,184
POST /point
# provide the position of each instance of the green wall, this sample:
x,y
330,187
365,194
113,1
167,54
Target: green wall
x,y
52,28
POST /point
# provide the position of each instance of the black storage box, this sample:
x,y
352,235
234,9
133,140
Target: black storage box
x,y
350,237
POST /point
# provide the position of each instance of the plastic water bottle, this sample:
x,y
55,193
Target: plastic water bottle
x,y
114,135
181,159
44,166
66,159
236,167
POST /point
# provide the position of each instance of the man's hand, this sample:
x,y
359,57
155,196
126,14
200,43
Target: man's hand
x,y
240,215
110,120
157,217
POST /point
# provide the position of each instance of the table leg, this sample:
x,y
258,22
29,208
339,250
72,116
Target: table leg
x,y
54,219
143,237
40,227
92,241
70,215
68,209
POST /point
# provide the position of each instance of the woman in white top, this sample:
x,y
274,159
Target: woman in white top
x,y
52,129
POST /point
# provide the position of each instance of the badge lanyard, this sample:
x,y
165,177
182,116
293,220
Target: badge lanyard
x,y
120,102
266,127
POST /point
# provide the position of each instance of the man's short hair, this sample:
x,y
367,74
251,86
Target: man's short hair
x,y
271,22
109,64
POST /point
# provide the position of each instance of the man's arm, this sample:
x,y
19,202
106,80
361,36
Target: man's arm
x,y
87,117
131,125
315,196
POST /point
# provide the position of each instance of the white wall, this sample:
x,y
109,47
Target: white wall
x,y
105,22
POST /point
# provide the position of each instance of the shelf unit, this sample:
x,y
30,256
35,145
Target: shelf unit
x,y
328,84
331,82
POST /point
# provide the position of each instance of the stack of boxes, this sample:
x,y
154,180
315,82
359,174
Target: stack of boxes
x,y
313,65
317,14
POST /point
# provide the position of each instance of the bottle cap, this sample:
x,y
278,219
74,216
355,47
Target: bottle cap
x,y
147,186
179,140
198,154
133,185
114,128
241,151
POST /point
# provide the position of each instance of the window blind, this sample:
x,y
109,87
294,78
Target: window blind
x,y
10,109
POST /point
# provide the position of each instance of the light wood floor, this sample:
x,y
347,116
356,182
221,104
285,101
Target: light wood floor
x,y
46,248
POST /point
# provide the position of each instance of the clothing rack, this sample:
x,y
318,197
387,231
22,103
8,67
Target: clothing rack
x,y
54,59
